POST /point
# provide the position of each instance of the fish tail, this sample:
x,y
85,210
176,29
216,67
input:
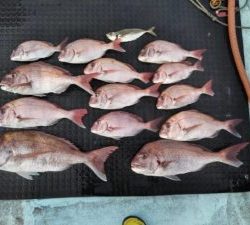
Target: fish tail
x,y
116,45
154,125
207,88
153,90
83,81
61,46
230,126
145,77
76,116
198,54
97,158
197,66
229,155
151,31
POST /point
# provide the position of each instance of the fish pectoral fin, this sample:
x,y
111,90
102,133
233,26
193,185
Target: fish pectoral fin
x,y
112,128
179,98
28,175
173,177
172,74
24,119
188,129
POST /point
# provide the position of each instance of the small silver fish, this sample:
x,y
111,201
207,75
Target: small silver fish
x,y
121,124
166,158
34,50
28,153
193,125
34,112
163,51
40,78
178,96
117,96
169,73
86,50
127,35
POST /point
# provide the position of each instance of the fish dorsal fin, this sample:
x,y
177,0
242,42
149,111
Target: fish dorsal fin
x,y
28,175
173,177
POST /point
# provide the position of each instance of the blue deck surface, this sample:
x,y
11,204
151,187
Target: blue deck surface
x,y
223,209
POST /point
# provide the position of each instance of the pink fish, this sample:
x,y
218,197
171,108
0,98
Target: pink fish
x,y
41,78
181,95
35,50
28,153
34,112
112,71
163,51
166,158
86,50
123,124
169,73
193,125
117,96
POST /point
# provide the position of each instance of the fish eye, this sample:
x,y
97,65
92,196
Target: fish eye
x,y
143,156
167,125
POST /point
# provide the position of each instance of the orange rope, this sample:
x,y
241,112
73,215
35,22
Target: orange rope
x,y
235,48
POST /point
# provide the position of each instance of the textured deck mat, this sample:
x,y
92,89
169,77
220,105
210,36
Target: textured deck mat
x,y
176,21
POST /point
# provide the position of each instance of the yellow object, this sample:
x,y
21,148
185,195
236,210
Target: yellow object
x,y
215,4
133,221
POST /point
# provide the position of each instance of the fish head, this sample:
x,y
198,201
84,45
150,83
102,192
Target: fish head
x,y
111,36
18,54
170,130
92,68
163,102
13,79
98,99
144,163
7,115
5,151
159,77
147,54
99,127
66,55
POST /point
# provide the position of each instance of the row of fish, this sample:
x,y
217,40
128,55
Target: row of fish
x,y
40,78
86,50
28,153
184,126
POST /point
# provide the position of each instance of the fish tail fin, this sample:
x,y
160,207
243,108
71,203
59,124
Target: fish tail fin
x,y
83,81
154,125
153,90
198,66
76,116
116,45
229,155
207,88
145,77
151,31
230,127
61,46
198,54
97,158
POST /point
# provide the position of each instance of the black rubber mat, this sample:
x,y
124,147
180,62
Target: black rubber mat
x,y
176,21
